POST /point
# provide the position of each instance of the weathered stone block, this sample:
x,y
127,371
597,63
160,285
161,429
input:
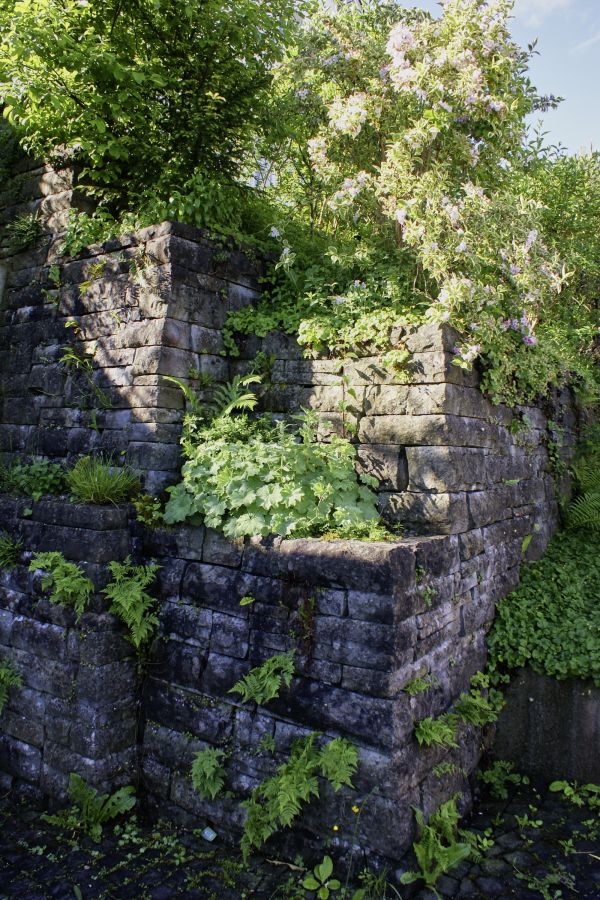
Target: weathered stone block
x,y
19,758
430,513
386,463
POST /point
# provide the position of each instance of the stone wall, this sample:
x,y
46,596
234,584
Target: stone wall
x,y
551,729
476,479
77,710
448,460
154,304
129,312
383,614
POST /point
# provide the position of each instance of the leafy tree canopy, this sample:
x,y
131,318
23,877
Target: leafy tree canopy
x,y
141,92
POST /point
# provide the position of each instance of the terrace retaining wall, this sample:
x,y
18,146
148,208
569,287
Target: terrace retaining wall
x,y
469,480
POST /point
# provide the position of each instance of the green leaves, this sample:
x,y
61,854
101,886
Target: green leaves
x,y
9,677
321,880
34,479
255,478
91,810
140,89
264,682
64,580
94,480
440,732
130,600
438,849
208,773
279,800
551,622
10,551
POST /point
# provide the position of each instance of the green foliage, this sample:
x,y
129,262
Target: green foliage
x,y
584,511
148,510
208,773
10,551
94,272
254,477
551,622
477,709
370,531
94,480
130,600
278,800
175,88
231,397
479,843
10,152
499,775
84,229
23,232
9,677
65,581
578,794
320,879
445,768
440,732
91,810
35,479
420,684
438,849
264,682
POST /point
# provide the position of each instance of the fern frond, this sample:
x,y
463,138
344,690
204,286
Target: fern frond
x,y
587,474
338,762
263,683
584,512
130,601
230,397
190,395
65,581
9,677
208,774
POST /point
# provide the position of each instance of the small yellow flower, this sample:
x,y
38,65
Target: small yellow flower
x,y
355,808
336,827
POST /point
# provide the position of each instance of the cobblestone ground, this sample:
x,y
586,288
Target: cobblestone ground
x,y
536,846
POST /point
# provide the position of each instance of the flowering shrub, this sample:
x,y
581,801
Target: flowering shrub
x,y
407,160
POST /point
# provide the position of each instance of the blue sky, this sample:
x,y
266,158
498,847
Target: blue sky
x,y
568,64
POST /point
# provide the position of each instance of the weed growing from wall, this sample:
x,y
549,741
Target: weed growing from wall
x,y
23,232
10,551
278,801
9,678
91,810
34,479
438,849
65,581
264,682
130,600
95,480
208,773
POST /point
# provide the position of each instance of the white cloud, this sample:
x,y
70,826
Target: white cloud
x,y
589,42
535,11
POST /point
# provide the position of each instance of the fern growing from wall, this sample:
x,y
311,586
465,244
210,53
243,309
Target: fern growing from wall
x,y
130,600
208,773
9,677
264,682
65,582
584,511
91,810
279,800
